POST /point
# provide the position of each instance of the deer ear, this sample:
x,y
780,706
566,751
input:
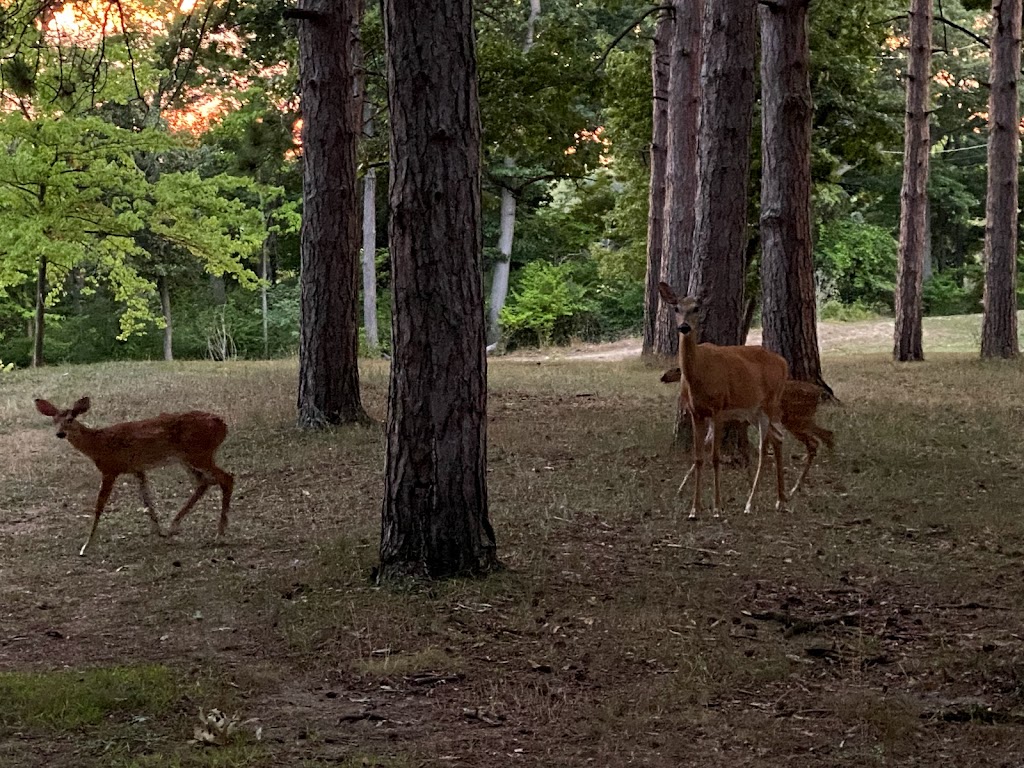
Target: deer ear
x,y
80,407
45,407
667,293
672,374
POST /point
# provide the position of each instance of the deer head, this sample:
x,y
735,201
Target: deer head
x,y
686,310
62,419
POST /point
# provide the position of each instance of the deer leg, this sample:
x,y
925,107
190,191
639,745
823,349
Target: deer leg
x,y
812,450
203,483
227,484
762,440
147,502
686,477
780,473
699,428
101,501
716,445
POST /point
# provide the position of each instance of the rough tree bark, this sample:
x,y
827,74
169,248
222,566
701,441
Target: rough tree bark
x,y
723,167
434,520
680,162
787,265
999,322
660,60
914,194
329,334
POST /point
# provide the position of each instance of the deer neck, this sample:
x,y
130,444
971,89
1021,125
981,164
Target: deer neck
x,y
82,438
688,357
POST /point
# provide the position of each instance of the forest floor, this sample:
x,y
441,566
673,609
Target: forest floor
x,y
878,622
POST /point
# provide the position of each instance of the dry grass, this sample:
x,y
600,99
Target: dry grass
x,y
875,624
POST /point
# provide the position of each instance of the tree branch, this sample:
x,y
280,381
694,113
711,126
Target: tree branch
x,y
632,25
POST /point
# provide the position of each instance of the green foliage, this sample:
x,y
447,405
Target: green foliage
x,y
856,263
956,292
546,305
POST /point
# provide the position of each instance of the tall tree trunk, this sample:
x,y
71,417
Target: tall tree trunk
x,y
370,260
434,519
329,340
502,269
723,167
264,288
39,327
267,253
999,324
787,264
660,61
165,308
370,243
913,196
500,275
680,162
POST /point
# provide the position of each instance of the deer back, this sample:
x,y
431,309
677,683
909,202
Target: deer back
x,y
137,445
737,378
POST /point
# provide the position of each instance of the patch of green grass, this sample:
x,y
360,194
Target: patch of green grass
x,y
70,699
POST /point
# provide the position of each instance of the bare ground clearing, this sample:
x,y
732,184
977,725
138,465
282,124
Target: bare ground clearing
x,y
877,623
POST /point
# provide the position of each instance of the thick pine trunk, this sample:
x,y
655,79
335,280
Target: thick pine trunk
x,y
39,323
723,168
680,162
656,193
913,196
787,264
434,517
165,308
329,337
999,323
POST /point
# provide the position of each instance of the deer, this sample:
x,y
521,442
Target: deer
x,y
721,384
800,400
133,447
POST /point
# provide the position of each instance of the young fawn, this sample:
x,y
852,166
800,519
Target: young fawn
x,y
800,400
136,446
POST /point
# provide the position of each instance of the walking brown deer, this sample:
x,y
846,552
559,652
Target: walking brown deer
x,y
722,384
800,400
134,447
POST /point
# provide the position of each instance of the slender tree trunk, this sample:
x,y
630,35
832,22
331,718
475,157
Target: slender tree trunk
x,y
999,323
39,327
723,167
266,258
329,340
165,307
369,251
370,260
680,162
660,61
502,269
913,196
434,518
218,290
787,264
500,276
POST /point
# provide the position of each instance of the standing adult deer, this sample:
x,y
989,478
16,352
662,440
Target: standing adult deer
x,y
136,446
800,400
725,384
